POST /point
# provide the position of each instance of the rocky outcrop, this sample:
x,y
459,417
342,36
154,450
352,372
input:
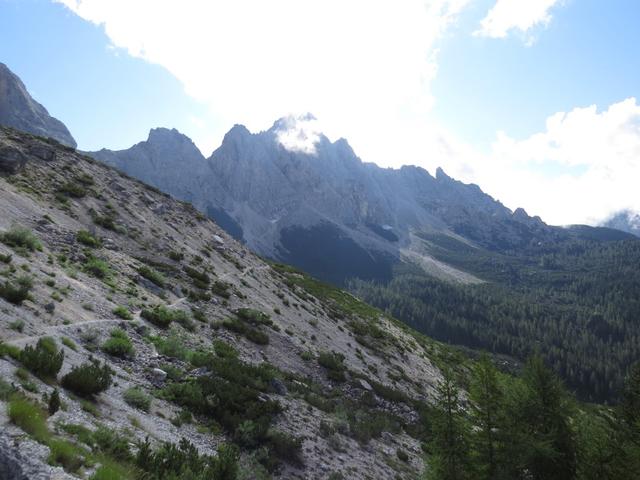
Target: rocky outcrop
x,y
20,111
291,194
167,160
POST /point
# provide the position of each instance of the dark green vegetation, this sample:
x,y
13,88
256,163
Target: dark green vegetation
x,y
118,344
530,428
44,359
21,239
88,379
576,301
16,291
231,396
162,316
248,322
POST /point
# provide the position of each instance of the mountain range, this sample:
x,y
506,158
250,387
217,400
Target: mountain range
x,y
439,254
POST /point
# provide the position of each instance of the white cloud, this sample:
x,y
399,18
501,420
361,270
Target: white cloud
x,y
363,67
299,133
522,15
581,168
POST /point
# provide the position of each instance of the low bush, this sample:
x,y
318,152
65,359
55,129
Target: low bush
x,y
97,267
250,333
88,379
53,404
122,312
9,351
333,362
85,238
152,275
200,278
73,189
224,350
221,289
162,316
119,344
21,239
172,346
184,461
44,360
29,417
18,291
65,454
137,399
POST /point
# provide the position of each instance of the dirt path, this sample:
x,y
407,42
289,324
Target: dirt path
x,y
55,329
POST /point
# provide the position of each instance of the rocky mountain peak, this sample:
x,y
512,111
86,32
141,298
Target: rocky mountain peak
x,y
20,111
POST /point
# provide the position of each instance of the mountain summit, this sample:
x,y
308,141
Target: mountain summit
x,y
20,111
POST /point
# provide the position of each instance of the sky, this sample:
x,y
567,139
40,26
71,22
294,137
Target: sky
x,y
533,100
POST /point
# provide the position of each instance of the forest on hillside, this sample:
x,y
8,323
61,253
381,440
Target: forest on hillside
x,y
575,303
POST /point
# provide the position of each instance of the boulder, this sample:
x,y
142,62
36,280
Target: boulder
x,y
12,159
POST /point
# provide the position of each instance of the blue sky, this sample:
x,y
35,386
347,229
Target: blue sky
x,y
496,93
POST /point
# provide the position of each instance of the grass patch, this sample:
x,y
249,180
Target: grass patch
x,y
152,275
137,399
21,239
162,316
29,417
122,312
18,291
86,238
119,344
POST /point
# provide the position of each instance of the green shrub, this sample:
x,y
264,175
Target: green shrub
x,y
254,317
84,237
5,258
17,325
122,312
175,256
17,292
21,239
9,351
44,359
29,417
183,461
252,334
172,346
221,289
65,454
137,399
152,275
119,344
162,316
72,189
112,471
67,342
88,379
285,447
224,350
333,362
97,267
199,315
200,278
6,390
402,455
54,402
112,444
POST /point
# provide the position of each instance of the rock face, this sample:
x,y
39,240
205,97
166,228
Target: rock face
x,y
259,330
626,220
167,160
18,110
295,196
